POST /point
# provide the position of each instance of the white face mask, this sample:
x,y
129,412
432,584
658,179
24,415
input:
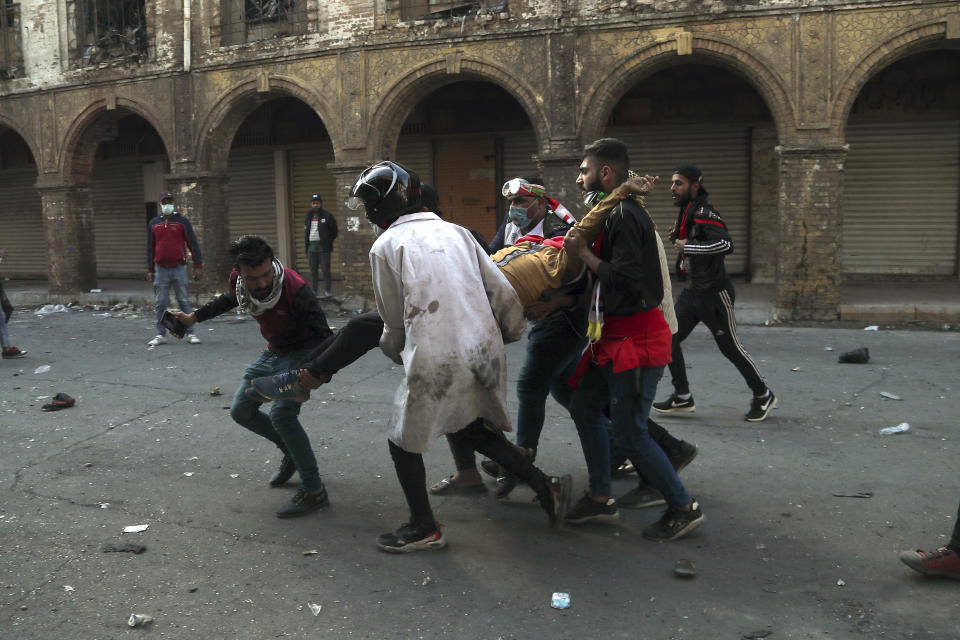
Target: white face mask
x,y
166,209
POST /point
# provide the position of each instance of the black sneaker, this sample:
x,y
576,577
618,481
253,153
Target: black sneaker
x,y
674,524
490,468
303,502
589,510
683,456
556,502
640,497
674,404
760,407
284,473
283,386
410,537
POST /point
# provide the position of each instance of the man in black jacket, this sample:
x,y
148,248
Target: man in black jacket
x,y
701,237
320,230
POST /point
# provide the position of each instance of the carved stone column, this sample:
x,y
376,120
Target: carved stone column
x,y
202,199
69,228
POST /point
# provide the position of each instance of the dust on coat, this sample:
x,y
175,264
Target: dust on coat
x,y
447,312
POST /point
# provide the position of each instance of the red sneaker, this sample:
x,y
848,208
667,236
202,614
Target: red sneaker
x,y
13,352
943,562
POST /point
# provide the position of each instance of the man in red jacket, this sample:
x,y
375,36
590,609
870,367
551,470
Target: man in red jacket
x,y
169,236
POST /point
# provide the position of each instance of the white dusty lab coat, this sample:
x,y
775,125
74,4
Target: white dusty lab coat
x,y
447,311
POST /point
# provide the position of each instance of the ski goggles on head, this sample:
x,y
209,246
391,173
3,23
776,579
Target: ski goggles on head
x,y
520,187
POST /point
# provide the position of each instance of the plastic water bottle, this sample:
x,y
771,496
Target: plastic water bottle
x,y
900,428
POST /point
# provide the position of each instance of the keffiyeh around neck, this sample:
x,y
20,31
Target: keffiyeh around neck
x,y
252,305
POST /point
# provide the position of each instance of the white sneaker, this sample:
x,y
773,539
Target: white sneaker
x,y
327,294
157,339
193,339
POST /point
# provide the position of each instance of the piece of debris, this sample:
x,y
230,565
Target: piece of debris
x,y
138,620
67,587
127,547
41,369
841,583
795,369
859,494
756,635
314,608
900,428
560,600
50,308
135,528
234,475
889,396
828,348
188,473
215,391
872,327
426,581
684,569
857,356
310,552
60,401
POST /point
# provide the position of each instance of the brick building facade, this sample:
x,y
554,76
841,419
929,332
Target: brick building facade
x,y
243,108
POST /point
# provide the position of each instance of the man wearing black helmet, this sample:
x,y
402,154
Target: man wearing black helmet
x,y
447,311
701,238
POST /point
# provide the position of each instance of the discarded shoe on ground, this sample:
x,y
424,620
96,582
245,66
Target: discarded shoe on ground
x,y
857,356
60,401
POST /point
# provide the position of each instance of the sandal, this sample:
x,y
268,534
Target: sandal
x,y
448,487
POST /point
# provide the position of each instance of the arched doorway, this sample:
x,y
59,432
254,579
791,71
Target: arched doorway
x,y
466,138
278,160
902,174
705,114
21,216
126,179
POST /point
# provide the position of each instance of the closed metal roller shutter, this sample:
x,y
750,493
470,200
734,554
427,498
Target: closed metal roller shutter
x,y
416,153
722,152
900,193
21,225
519,149
251,199
120,217
309,175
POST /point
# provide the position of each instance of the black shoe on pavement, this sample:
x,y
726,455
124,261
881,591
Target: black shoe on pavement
x,y
505,484
589,510
410,537
284,473
491,468
303,502
760,407
674,404
640,497
556,502
674,524
683,456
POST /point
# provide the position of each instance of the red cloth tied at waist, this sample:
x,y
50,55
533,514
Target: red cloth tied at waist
x,y
640,340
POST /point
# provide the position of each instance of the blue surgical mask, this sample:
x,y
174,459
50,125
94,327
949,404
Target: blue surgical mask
x,y
166,209
519,216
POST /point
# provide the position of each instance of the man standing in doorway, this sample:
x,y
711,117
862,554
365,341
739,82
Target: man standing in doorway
x,y
701,237
169,236
320,231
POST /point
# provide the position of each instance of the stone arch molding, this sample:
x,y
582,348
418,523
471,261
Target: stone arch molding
x,y
75,160
16,127
399,100
607,91
214,137
906,42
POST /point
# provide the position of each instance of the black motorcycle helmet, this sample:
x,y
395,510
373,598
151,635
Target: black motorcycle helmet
x,y
387,190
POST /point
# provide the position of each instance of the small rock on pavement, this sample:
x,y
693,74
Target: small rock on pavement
x,y
113,547
684,569
755,635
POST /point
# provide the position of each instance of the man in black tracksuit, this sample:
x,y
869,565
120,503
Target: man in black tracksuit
x,y
701,237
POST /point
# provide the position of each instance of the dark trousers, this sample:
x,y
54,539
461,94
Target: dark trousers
x,y
360,334
955,538
319,260
474,437
715,310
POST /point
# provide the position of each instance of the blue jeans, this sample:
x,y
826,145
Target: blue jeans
x,y
4,336
163,279
554,346
630,394
281,427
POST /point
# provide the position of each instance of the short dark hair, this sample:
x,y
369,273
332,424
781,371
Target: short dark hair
x,y
250,251
611,152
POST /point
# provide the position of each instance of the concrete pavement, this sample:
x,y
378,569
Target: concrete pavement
x,y
779,552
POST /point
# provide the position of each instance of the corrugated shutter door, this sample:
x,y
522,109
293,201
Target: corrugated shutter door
x,y
309,175
518,151
22,233
722,154
416,153
251,199
900,191
120,217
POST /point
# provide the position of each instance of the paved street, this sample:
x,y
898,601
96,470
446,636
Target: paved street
x,y
778,552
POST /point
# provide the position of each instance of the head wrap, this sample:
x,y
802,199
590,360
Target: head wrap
x,y
252,305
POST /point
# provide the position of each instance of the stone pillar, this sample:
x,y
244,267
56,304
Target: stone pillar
x,y
69,229
202,199
809,255
764,193
356,235
559,172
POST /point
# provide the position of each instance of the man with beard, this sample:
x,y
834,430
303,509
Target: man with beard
x,y
293,324
630,344
701,238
